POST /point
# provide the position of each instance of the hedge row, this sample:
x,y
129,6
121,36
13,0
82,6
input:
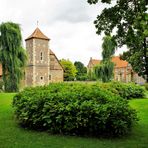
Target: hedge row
x,y
75,109
125,90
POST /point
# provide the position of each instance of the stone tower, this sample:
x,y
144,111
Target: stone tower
x,y
38,66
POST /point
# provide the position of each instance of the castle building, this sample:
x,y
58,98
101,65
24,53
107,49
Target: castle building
x,y
122,70
43,66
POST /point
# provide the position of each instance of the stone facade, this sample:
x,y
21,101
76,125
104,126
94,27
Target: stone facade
x,y
39,70
56,69
92,63
122,71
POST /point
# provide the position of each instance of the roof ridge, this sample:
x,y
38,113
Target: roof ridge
x,y
116,59
37,33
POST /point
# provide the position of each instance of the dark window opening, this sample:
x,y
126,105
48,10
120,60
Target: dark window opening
x,y
41,56
49,77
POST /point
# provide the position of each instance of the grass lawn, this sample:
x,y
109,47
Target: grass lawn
x,y
12,136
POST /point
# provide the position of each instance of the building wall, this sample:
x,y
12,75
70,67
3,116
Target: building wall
x,y
30,67
56,76
56,70
122,74
41,75
39,69
38,66
29,76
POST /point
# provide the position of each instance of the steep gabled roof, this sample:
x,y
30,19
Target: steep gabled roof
x,y
95,62
119,63
37,34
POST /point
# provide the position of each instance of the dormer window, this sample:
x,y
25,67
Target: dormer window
x,y
41,56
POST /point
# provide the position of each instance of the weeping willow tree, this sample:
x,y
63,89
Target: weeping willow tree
x,y
91,75
12,55
104,71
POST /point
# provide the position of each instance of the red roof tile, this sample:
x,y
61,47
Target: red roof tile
x,y
119,63
37,34
95,62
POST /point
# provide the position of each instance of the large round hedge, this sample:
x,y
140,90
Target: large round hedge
x,y
74,108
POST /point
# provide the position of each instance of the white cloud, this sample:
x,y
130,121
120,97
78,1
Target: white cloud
x,y
69,24
78,42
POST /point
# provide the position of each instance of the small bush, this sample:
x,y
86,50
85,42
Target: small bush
x,y
81,77
125,90
1,85
75,109
146,86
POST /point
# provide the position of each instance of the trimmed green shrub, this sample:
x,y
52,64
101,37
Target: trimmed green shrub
x,y
125,90
1,85
74,109
146,86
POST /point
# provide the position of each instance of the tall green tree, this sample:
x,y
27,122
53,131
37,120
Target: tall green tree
x,y
12,55
91,76
104,70
69,70
81,74
130,20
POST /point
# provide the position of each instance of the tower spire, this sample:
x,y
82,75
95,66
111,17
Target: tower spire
x,y
37,23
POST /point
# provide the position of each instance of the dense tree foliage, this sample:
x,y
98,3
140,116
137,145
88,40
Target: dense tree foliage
x,y
69,70
130,20
81,71
104,70
108,46
91,76
12,55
